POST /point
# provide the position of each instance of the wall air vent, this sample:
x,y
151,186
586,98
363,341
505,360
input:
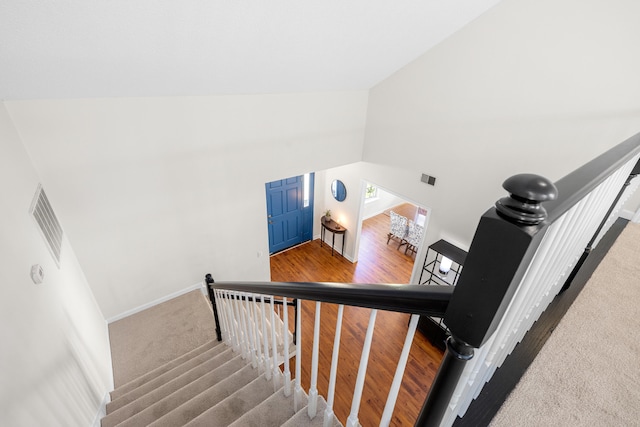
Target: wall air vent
x,y
48,223
431,180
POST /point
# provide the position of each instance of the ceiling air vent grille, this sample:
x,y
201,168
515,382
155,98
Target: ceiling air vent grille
x,y
48,223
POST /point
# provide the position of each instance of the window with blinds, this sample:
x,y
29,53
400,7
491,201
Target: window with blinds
x,y
48,223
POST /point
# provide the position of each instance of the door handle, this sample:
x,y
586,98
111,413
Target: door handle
x,y
270,222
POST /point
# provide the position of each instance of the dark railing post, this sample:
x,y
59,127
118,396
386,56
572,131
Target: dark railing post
x,y
208,281
455,358
502,248
295,319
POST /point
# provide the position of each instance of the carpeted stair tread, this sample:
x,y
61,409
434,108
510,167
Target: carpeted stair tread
x,y
137,382
184,405
217,368
234,406
301,418
206,361
274,411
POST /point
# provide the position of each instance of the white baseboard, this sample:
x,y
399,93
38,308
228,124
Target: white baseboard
x,y
336,248
626,214
102,411
199,285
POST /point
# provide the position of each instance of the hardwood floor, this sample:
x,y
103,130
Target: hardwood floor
x,y
378,263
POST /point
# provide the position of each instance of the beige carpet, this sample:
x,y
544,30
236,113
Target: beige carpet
x,y
153,337
588,372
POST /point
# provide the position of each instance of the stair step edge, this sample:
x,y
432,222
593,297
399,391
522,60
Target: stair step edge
x,y
142,403
207,363
188,402
223,412
272,412
142,379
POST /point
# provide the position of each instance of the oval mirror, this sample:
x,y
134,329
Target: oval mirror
x,y
338,190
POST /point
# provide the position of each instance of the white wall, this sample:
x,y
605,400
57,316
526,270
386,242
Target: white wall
x,y
382,202
156,192
346,213
538,86
55,364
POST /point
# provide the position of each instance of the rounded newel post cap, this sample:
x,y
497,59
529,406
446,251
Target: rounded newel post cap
x,y
526,192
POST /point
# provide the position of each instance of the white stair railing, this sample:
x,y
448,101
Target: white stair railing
x,y
250,325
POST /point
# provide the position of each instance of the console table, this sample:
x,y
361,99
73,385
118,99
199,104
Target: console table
x,y
334,228
433,328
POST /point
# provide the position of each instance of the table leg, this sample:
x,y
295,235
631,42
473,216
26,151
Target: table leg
x,y
333,243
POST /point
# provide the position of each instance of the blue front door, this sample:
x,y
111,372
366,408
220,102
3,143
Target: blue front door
x,y
289,211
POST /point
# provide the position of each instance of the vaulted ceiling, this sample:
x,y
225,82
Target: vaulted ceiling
x,y
128,48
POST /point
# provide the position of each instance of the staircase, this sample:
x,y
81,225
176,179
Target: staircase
x,y
211,385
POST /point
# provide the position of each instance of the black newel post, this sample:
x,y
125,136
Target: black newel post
x,y
209,280
504,243
453,363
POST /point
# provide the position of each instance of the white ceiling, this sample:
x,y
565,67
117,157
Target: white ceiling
x,y
123,48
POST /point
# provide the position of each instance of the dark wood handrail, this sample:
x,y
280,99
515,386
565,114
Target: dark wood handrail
x,y
575,186
428,300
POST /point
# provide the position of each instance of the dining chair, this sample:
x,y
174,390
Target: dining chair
x,y
398,228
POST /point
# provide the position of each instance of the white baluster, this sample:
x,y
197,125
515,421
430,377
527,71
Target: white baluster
x,y
241,326
256,332
267,362
277,330
250,331
221,315
397,379
328,412
312,405
234,321
352,421
297,395
274,345
285,334
225,315
245,326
